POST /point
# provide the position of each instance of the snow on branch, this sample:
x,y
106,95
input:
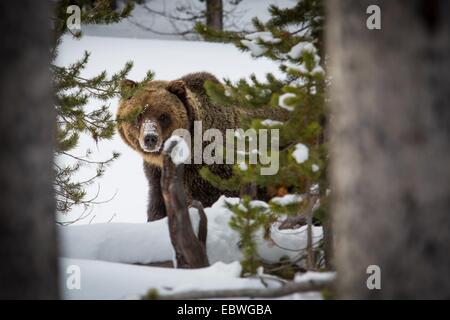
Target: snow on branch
x,y
178,149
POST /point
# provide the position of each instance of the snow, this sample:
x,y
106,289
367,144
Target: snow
x,y
180,153
271,123
255,42
317,70
243,166
301,153
242,208
297,50
118,242
282,101
255,48
314,188
105,252
106,280
287,199
288,243
314,276
258,204
300,67
266,37
149,242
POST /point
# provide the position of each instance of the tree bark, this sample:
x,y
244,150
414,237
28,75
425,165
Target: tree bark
x,y
289,288
390,134
190,251
248,189
28,253
214,14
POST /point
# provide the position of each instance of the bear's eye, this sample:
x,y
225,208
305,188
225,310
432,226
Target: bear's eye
x,y
164,119
139,118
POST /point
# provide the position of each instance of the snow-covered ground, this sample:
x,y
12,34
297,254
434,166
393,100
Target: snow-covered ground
x,y
106,248
108,280
149,242
105,244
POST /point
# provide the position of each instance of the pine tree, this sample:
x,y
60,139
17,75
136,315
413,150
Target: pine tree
x,y
74,92
391,148
216,14
28,251
292,37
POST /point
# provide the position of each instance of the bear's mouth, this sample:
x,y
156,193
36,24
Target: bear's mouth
x,y
155,151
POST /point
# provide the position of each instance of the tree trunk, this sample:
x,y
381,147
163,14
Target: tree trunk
x,y
190,251
390,169
214,14
28,265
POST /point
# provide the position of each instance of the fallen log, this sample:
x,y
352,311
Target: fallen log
x,y
289,288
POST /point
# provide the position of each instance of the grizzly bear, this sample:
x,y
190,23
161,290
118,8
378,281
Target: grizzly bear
x,y
160,107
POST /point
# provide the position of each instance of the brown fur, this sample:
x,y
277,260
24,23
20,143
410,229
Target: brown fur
x,y
185,100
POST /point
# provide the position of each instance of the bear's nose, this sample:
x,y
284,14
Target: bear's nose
x,y
150,140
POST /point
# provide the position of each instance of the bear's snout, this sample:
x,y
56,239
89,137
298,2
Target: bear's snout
x,y
150,140
149,137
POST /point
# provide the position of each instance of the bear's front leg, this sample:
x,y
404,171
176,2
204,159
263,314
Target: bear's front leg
x,y
156,208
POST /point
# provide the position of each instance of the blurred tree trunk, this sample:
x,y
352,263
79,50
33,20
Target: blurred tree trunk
x,y
390,102
214,14
28,265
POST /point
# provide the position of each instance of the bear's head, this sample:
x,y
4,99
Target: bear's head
x,y
147,116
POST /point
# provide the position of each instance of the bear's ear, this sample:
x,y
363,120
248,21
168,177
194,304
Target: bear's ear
x,y
178,88
126,88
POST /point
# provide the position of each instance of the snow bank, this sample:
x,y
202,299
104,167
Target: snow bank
x,y
106,280
149,242
101,250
